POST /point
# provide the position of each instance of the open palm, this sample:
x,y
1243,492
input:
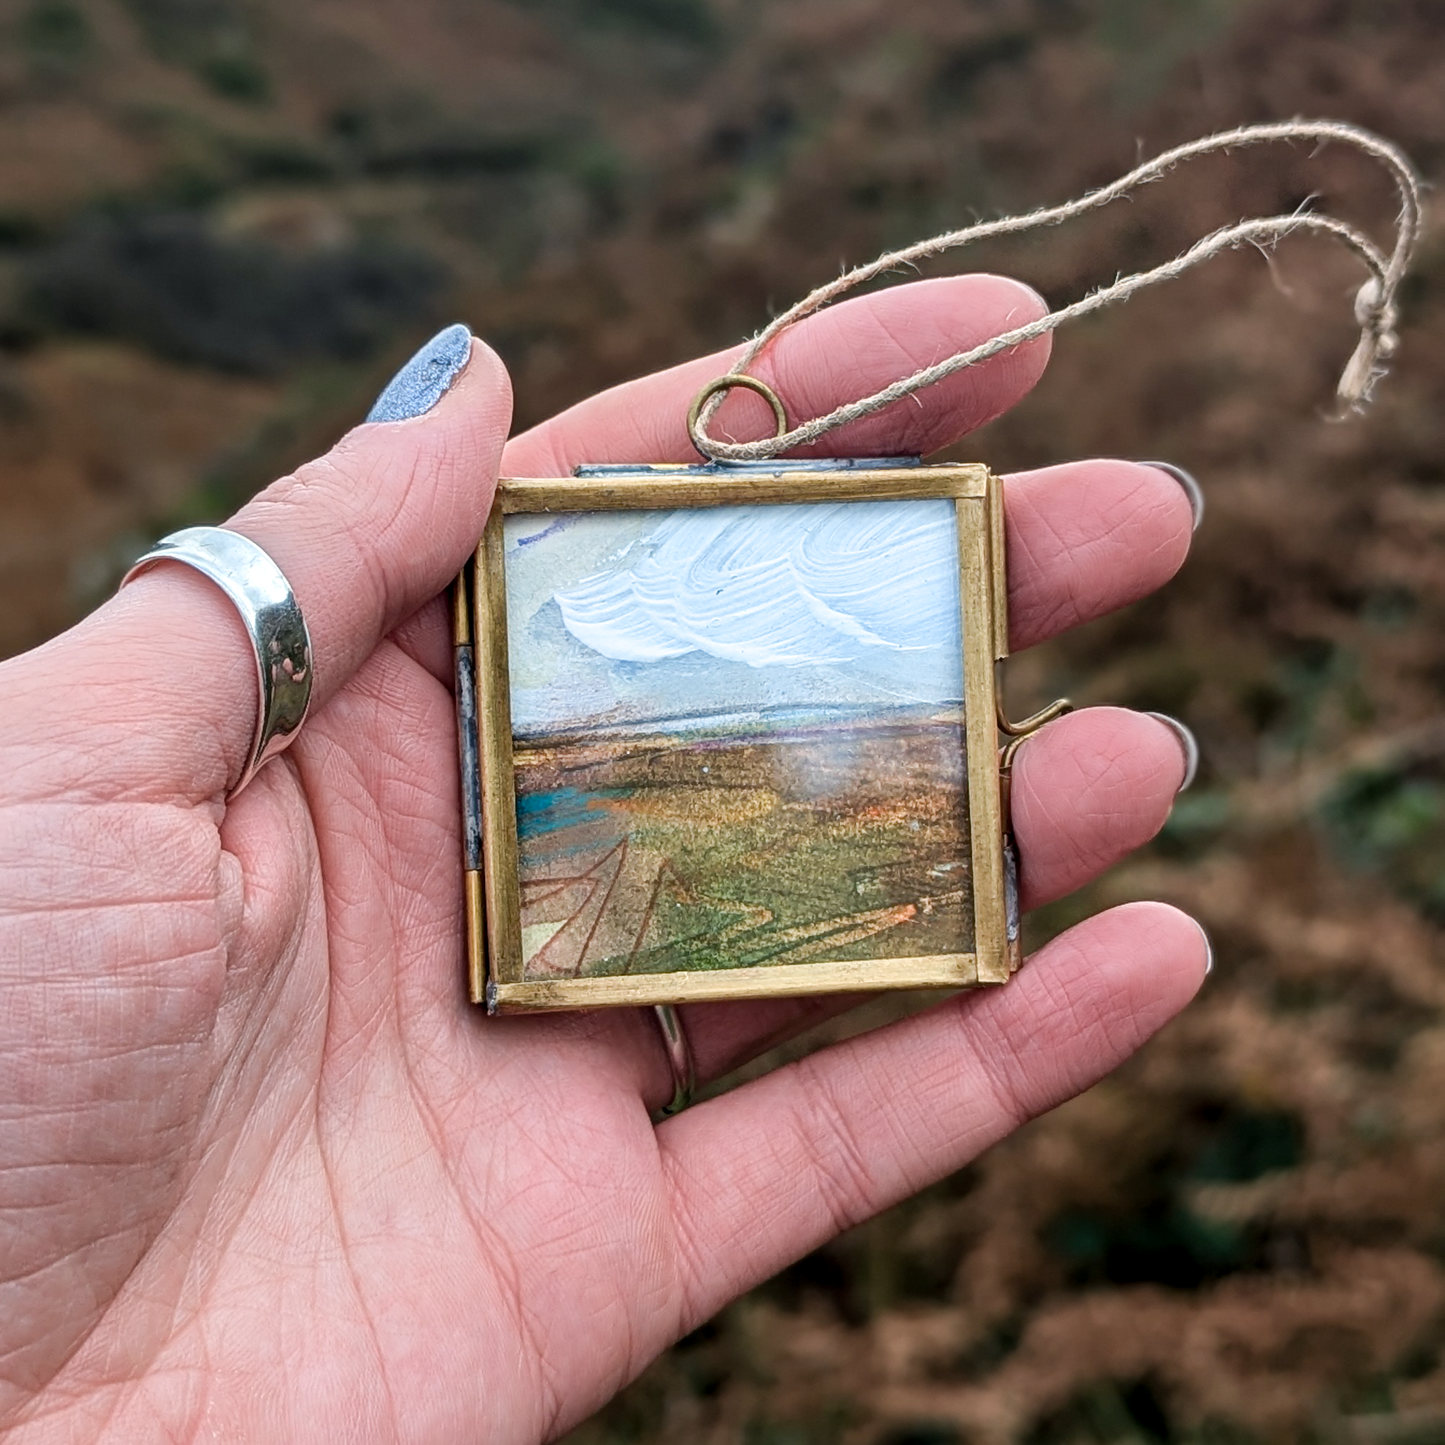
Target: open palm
x,y
264,1173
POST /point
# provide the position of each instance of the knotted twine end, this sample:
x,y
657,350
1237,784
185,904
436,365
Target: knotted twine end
x,y
1378,316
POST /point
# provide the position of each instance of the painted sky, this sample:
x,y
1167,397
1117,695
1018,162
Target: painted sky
x,y
631,617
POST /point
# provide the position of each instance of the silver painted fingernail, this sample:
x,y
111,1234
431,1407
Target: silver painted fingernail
x,y
1208,948
426,378
1187,741
1192,489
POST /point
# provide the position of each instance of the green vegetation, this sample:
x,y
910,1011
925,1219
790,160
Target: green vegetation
x,y
56,29
236,76
690,21
168,283
1392,821
214,38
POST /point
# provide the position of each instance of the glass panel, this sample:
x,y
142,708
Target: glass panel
x,y
738,736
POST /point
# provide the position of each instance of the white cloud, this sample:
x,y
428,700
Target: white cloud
x,y
777,586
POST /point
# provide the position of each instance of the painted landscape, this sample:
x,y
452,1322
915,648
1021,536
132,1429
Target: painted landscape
x,y
738,737
707,849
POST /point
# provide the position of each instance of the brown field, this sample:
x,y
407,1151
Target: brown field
x,y
658,853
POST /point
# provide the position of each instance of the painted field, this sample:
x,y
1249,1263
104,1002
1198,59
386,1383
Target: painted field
x,y
719,847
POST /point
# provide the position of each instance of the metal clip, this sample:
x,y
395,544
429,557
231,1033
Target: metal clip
x,y
1017,734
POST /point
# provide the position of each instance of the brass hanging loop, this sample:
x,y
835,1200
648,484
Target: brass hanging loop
x,y
726,383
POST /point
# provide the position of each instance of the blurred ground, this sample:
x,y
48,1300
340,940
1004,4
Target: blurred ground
x,y
223,222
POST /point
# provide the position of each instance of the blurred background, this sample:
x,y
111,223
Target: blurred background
x,y
224,222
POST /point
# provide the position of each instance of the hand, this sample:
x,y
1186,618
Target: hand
x,y
264,1173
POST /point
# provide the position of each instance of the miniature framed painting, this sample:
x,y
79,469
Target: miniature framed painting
x,y
728,731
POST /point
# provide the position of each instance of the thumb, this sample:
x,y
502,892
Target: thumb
x,y
163,677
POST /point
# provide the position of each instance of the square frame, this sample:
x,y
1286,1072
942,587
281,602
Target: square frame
x,y
493,894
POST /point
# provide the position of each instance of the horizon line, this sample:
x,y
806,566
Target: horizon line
x,y
800,717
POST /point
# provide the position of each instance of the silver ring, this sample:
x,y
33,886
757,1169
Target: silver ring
x,y
268,608
679,1056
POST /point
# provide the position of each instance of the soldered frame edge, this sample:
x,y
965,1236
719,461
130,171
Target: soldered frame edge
x,y
971,488
503,900
659,491
780,980
978,586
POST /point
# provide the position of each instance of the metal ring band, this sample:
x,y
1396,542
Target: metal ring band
x,y
261,594
679,1056
726,383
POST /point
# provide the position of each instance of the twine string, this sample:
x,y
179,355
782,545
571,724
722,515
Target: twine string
x,y
1375,302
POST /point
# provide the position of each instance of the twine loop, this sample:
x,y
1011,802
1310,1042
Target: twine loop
x,y
1376,310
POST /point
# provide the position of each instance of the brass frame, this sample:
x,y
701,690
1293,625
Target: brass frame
x,y
493,900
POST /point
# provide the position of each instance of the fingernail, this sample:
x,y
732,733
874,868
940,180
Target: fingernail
x,y
1192,489
1187,741
1208,948
425,379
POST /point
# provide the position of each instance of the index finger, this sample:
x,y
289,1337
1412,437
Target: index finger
x,y
845,352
